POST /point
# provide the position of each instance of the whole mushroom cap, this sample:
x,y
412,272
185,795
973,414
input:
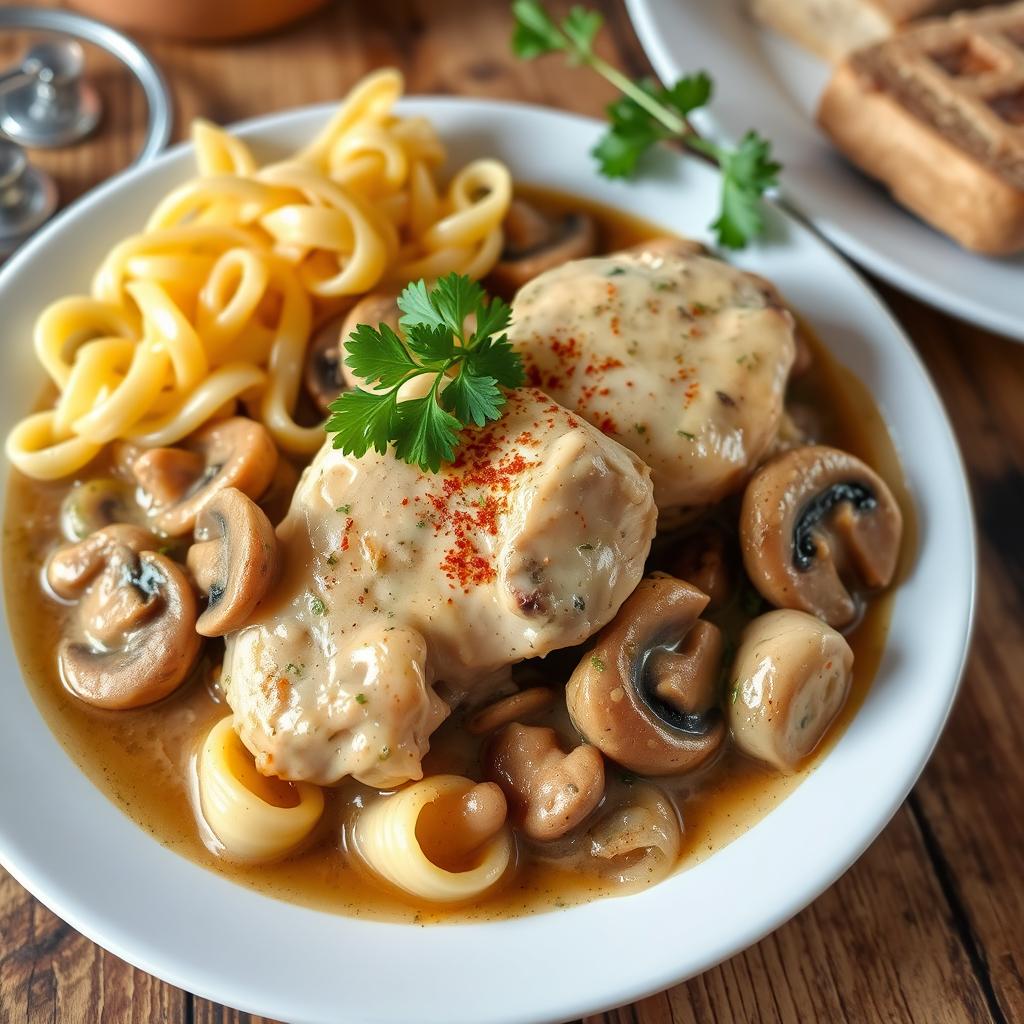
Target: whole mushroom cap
x,y
791,677
645,695
817,523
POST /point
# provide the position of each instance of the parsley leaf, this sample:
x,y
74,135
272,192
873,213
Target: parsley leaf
x,y
361,420
378,355
468,371
747,172
647,114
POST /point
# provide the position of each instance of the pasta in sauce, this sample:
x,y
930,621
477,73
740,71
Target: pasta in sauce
x,y
199,326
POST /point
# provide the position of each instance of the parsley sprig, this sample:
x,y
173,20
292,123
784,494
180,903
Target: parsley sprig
x,y
469,369
647,114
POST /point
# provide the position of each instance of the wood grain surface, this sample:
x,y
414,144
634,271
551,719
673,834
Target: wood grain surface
x,y
929,925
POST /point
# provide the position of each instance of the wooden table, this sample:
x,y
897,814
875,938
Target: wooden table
x,y
929,924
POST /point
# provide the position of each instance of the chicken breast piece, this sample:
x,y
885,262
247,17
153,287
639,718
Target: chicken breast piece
x,y
682,358
395,579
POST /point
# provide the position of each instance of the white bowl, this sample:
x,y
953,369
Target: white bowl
x,y
94,867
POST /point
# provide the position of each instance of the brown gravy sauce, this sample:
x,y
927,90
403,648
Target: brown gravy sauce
x,y
144,760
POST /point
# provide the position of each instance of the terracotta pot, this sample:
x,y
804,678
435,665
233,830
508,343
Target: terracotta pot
x,y
199,20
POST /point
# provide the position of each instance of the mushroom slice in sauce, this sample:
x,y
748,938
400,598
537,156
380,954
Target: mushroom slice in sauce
x,y
816,524
324,377
535,242
233,560
637,840
514,708
549,790
236,452
136,618
93,504
792,676
645,695
374,309
681,358
703,559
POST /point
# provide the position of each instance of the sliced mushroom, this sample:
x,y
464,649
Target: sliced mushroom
x,y
792,676
637,840
93,504
514,708
535,242
136,615
323,377
236,452
645,695
549,791
233,560
817,525
374,309
702,558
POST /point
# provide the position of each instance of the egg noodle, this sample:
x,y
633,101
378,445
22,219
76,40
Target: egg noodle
x,y
214,302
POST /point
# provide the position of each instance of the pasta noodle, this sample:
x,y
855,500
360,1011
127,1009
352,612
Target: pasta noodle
x,y
385,837
214,302
254,817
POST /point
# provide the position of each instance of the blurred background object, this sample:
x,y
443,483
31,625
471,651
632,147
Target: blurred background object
x,y
200,20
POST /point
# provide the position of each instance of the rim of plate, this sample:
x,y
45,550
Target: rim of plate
x,y
650,20
101,873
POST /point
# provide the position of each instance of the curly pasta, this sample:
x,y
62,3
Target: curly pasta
x,y
213,303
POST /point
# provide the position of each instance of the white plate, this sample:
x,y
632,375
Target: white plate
x,y
100,872
765,82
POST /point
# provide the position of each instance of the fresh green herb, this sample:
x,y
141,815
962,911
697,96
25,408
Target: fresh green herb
x,y
646,114
385,753
420,524
597,663
361,698
332,559
579,603
344,509
616,272
425,430
584,547
165,549
734,693
292,669
687,435
640,428
317,607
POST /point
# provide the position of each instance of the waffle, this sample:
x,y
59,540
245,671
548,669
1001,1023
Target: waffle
x,y
832,28
937,114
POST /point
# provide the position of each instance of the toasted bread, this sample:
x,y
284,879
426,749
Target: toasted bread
x,y
833,28
936,113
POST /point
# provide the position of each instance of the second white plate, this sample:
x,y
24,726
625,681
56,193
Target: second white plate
x,y
766,83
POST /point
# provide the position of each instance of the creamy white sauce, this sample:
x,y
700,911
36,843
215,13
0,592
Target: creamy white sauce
x,y
681,358
394,580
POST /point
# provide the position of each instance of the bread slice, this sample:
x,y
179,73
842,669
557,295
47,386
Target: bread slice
x,y
832,28
936,113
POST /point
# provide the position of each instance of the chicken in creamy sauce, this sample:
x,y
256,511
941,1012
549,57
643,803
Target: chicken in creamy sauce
x,y
395,579
682,358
